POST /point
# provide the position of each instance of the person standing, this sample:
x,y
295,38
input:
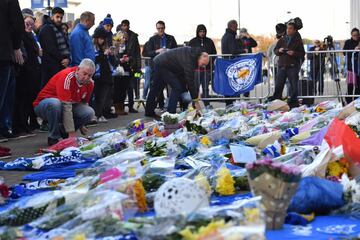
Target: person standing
x,y
157,44
80,41
103,75
317,67
247,42
176,68
231,45
63,102
206,45
56,52
353,83
10,42
133,52
290,50
108,24
27,80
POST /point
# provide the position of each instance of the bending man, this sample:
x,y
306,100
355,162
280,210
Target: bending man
x,y
176,67
63,102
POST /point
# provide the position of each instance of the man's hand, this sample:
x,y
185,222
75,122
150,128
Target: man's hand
x,y
281,50
84,131
65,62
72,134
160,50
18,57
290,52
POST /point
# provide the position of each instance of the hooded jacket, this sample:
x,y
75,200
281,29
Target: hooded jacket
x,y
182,62
205,44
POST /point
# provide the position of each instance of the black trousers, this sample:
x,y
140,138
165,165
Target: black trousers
x,y
121,85
353,89
27,88
102,94
292,74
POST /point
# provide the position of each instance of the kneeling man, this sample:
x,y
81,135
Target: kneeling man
x,y
63,102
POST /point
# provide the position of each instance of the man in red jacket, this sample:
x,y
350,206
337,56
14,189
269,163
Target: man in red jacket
x,y
63,102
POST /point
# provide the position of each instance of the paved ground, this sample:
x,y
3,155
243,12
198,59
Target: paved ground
x,y
28,147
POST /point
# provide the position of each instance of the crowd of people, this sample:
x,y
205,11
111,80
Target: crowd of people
x,y
57,72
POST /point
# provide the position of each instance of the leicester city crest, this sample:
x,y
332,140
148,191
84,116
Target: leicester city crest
x,y
241,75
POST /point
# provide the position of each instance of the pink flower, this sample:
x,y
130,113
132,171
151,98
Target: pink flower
x,y
276,165
250,166
286,169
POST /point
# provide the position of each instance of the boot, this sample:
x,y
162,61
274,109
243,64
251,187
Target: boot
x,y
119,109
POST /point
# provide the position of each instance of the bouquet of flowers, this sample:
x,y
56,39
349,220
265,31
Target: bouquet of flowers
x,y
276,183
171,121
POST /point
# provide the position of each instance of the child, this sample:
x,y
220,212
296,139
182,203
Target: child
x,y
103,75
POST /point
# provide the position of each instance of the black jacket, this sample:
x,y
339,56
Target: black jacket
x,y
182,62
105,64
317,62
48,42
11,28
350,45
133,51
229,43
154,44
205,44
295,45
248,43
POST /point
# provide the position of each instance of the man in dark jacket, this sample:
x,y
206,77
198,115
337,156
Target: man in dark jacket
x,y
290,50
12,30
231,45
247,42
352,44
176,68
157,44
206,45
56,52
133,50
317,67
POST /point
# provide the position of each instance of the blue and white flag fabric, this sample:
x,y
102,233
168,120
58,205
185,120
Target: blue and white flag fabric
x,y
238,75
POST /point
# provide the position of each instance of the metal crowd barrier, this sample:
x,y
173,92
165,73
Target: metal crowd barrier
x,y
323,75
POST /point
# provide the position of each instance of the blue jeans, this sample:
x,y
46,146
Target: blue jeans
x,y
147,77
7,91
50,110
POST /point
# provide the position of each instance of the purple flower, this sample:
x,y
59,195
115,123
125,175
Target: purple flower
x,y
276,165
250,166
286,169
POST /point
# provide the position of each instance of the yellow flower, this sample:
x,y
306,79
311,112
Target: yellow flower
x,y
206,232
320,110
140,195
132,171
225,182
283,149
80,236
202,182
338,168
252,215
205,141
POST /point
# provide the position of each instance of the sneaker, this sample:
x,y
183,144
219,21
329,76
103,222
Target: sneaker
x,y
132,110
110,115
93,123
155,116
52,141
3,139
102,119
4,155
44,127
5,149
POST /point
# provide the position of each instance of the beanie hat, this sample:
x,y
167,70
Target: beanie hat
x,y
99,33
108,20
27,12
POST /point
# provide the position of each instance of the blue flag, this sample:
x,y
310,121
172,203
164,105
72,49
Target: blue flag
x,y
61,3
239,75
37,4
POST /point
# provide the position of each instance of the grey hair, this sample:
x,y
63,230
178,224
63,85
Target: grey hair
x,y
87,63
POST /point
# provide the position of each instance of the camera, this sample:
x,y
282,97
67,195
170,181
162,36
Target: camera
x,y
329,42
297,22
